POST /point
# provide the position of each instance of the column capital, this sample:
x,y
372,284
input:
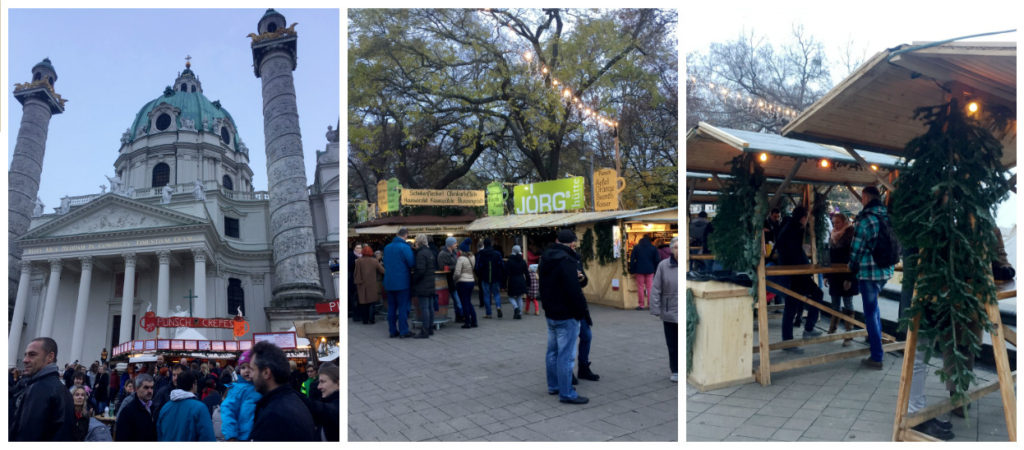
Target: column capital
x,y
86,262
129,259
199,254
26,266
55,264
164,256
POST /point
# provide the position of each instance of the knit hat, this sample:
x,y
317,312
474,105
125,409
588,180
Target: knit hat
x,y
517,250
566,236
245,358
449,242
465,245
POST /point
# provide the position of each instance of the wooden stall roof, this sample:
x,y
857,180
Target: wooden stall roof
x,y
520,221
873,108
706,182
710,148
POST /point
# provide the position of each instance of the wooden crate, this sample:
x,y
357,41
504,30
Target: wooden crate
x,y
721,352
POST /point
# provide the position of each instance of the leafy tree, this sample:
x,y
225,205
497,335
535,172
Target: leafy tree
x,y
448,98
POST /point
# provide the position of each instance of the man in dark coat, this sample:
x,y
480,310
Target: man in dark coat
x,y
790,247
355,254
491,268
163,394
564,307
643,262
41,407
281,414
101,388
137,421
423,285
518,280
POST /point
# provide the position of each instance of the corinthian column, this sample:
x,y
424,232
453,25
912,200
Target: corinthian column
x,y
127,298
297,280
18,320
39,102
50,307
81,309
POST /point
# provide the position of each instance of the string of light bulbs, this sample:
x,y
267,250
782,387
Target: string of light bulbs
x,y
742,100
568,94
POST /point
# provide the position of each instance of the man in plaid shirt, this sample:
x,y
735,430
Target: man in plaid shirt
x,y
870,277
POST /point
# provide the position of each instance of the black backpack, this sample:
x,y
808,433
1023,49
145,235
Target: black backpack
x,y
887,249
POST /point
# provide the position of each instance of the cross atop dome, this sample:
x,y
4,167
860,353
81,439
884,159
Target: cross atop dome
x,y
188,63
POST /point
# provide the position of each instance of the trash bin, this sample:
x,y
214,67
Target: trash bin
x,y
722,348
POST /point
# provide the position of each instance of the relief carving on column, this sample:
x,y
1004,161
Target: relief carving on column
x,y
86,263
164,256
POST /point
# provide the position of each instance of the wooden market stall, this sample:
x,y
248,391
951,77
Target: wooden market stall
x,y
609,284
873,108
819,168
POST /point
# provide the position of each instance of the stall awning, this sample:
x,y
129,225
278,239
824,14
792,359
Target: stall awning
x,y
546,220
413,229
710,149
873,108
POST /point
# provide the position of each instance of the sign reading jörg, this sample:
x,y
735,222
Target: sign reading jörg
x,y
550,196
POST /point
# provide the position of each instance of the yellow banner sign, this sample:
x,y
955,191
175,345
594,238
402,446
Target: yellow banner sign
x,y
437,197
382,195
607,186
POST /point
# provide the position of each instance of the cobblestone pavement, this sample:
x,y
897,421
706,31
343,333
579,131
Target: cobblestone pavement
x,y
488,383
840,401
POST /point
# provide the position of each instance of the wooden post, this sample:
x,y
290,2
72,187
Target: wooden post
x,y
764,373
906,375
785,183
1003,370
867,167
853,192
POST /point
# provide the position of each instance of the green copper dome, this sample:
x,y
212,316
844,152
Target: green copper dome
x,y
194,106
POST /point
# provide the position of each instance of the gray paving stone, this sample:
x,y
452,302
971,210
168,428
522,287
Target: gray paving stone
x,y
755,431
734,411
707,433
786,434
766,421
798,424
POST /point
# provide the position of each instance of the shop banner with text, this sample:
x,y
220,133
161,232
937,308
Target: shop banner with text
x,y
393,194
607,187
550,196
382,195
439,197
496,196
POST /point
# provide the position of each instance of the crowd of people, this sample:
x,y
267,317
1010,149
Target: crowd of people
x,y
264,398
552,280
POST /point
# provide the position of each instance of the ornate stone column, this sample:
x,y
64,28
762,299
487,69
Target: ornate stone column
x,y
200,278
81,309
18,320
127,298
291,223
50,307
39,103
163,286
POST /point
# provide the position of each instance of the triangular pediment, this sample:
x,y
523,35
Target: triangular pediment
x,y
111,214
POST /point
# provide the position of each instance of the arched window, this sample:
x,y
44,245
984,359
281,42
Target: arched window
x,y
193,88
225,136
236,296
227,183
271,27
37,76
163,121
184,87
161,175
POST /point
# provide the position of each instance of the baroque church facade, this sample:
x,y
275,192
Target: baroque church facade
x,y
181,230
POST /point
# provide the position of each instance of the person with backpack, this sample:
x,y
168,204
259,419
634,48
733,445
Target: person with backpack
x,y
873,254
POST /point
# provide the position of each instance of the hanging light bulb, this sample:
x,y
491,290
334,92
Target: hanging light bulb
x,y
566,93
763,157
972,107
874,167
554,81
544,70
528,56
824,163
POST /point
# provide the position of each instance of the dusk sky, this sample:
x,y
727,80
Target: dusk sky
x,y
110,62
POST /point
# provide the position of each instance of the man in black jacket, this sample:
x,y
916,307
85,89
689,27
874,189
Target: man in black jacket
x,y
41,408
281,414
491,270
136,422
163,394
790,248
564,307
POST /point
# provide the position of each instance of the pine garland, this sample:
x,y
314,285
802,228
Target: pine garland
x,y
735,239
605,252
944,206
587,247
820,213
692,319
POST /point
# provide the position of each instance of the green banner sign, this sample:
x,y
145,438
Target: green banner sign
x,y
394,194
550,196
361,210
496,196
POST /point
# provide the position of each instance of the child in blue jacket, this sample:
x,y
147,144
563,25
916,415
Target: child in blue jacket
x,y
238,410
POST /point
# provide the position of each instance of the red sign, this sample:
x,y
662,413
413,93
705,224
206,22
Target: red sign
x,y
150,322
328,308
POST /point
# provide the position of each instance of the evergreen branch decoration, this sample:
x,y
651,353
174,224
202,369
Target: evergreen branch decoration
x,y
604,251
819,211
944,206
735,239
692,319
587,247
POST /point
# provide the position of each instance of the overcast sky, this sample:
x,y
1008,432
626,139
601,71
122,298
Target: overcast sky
x,y
111,62
870,26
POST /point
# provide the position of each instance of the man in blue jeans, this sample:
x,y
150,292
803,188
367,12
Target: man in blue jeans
x,y
398,261
870,276
491,270
564,308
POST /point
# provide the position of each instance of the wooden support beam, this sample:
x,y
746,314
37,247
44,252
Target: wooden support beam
x,y
906,375
764,374
867,167
852,191
815,340
1003,370
1010,336
947,405
916,436
1006,294
785,183
830,357
823,307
